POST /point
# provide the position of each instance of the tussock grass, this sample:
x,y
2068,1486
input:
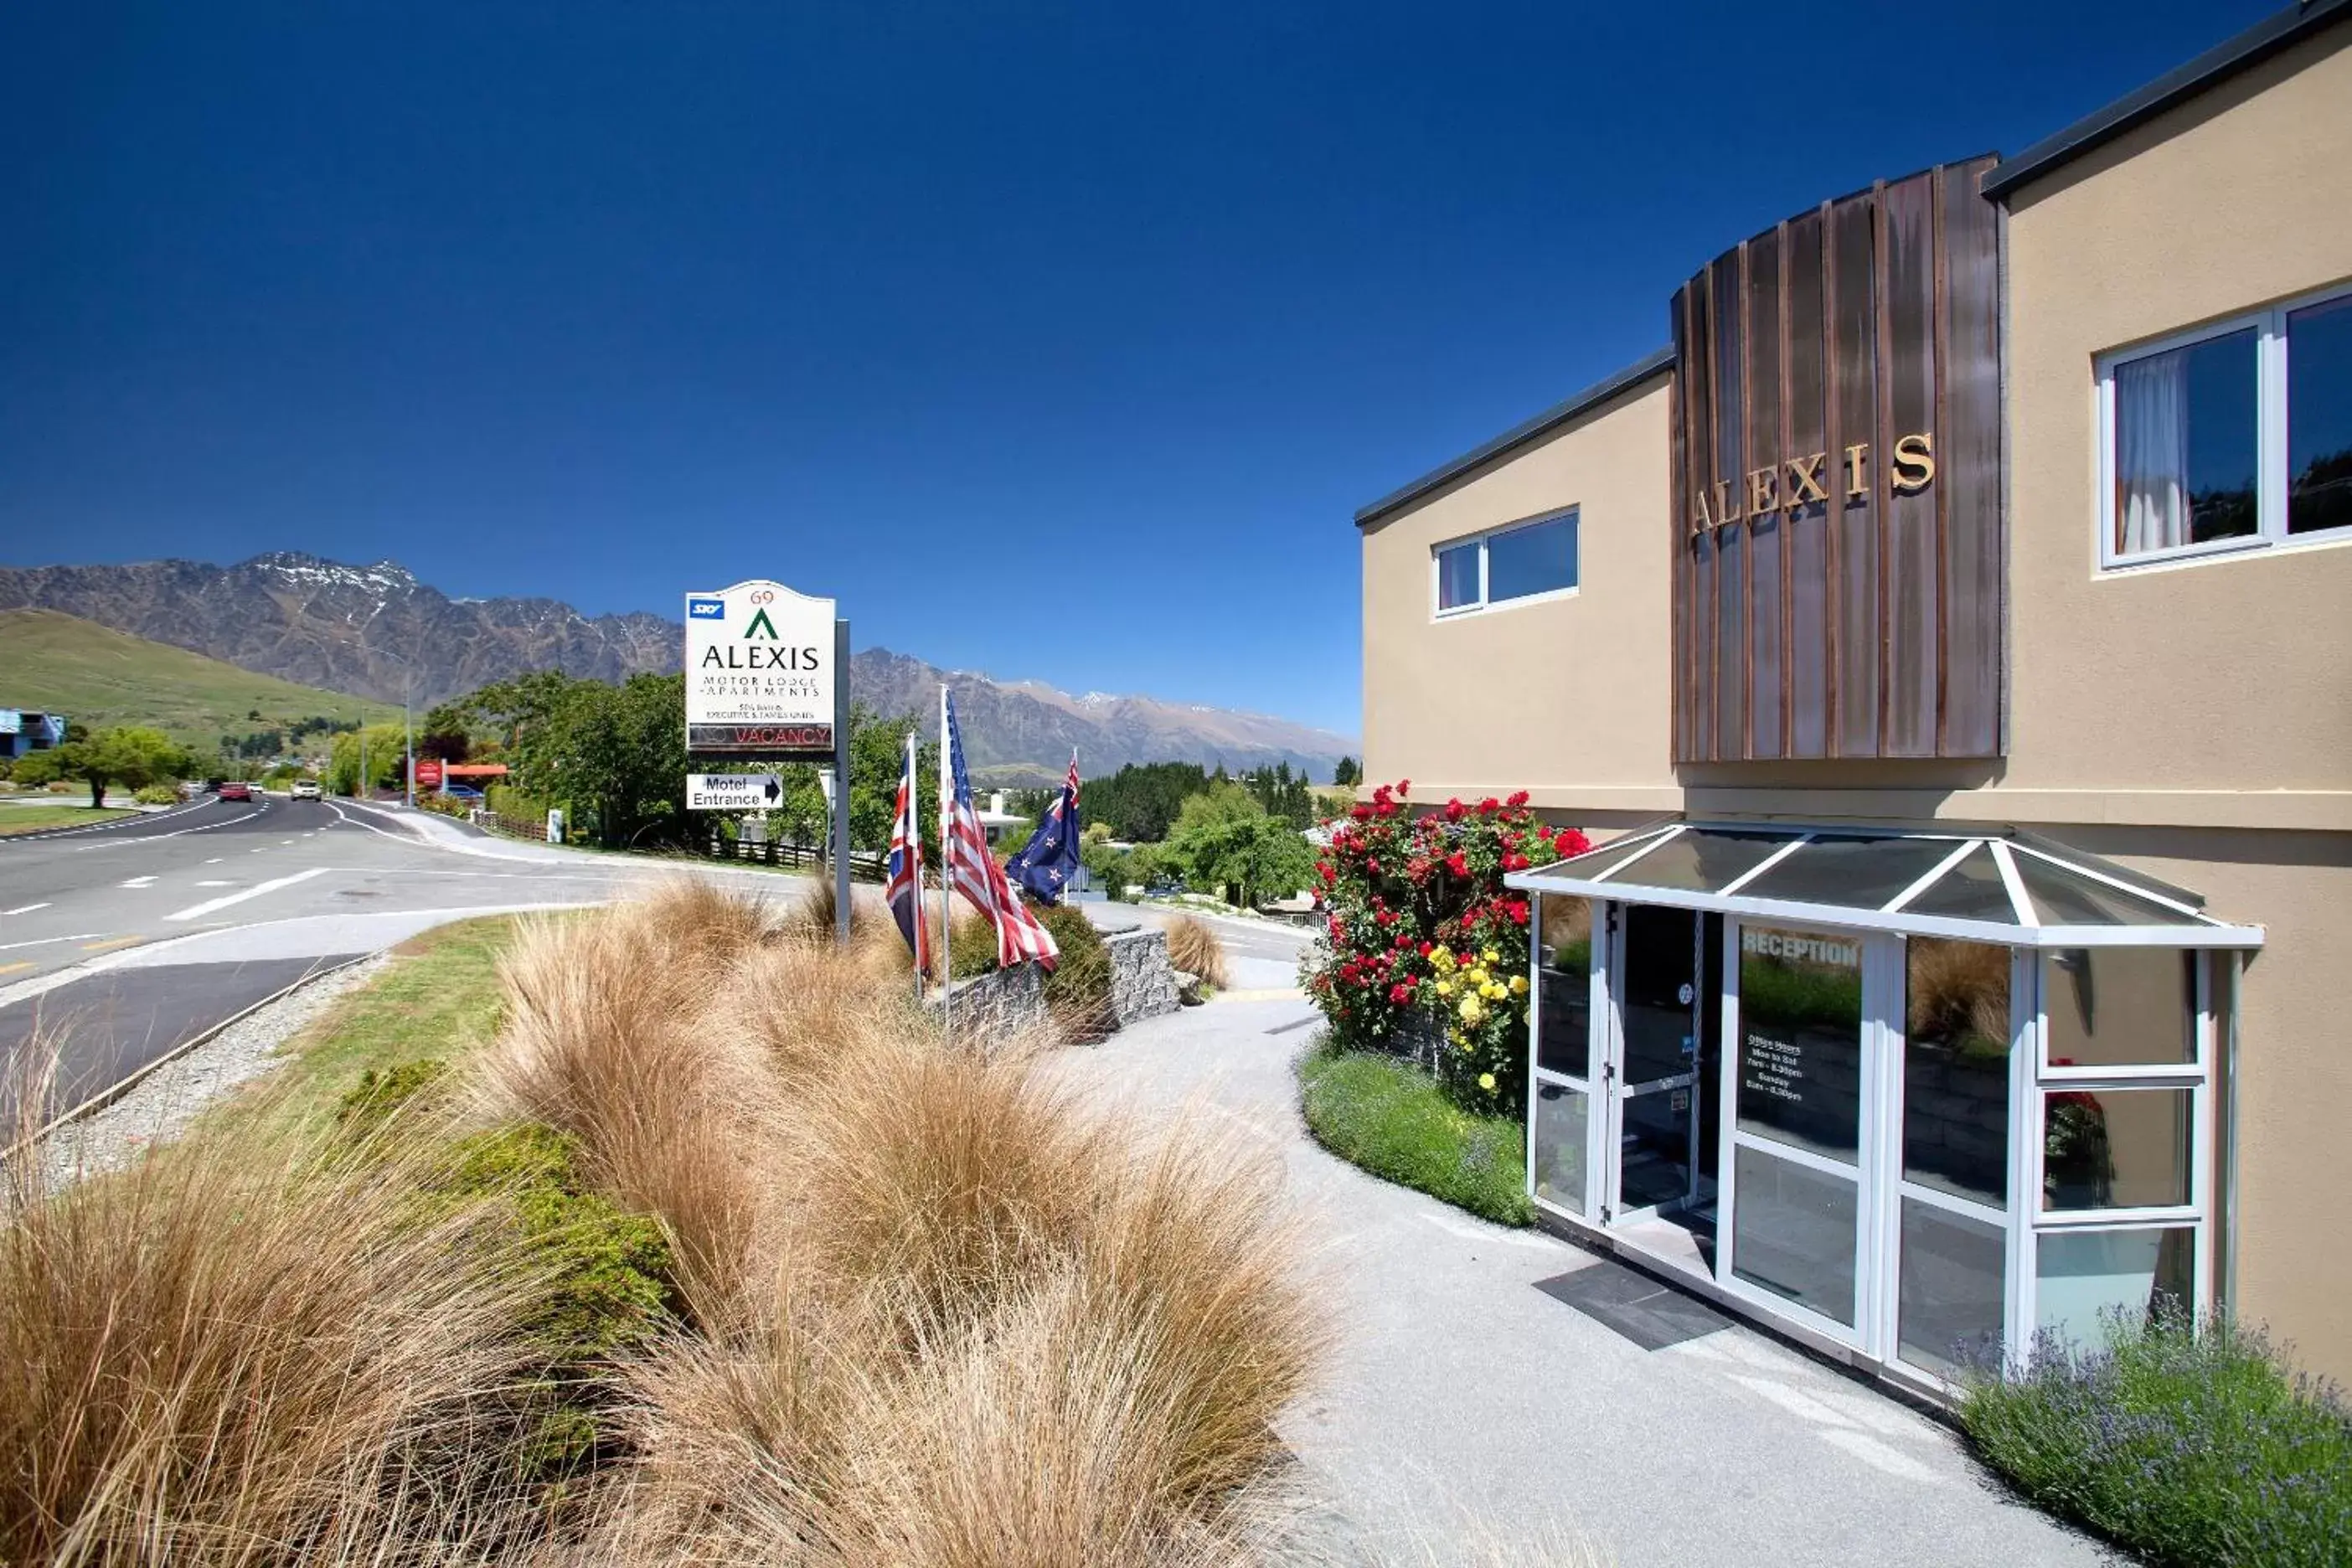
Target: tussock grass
x,y
1194,947
932,1309
255,1351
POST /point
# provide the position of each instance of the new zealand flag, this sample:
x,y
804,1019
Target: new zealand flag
x,y
1051,857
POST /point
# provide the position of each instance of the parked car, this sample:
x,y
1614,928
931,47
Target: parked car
x,y
235,789
306,789
466,793
192,789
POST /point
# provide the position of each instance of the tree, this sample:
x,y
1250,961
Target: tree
x,y
386,747
130,755
1347,771
1225,839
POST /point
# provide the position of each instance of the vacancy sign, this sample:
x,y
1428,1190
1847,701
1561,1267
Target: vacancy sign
x,y
760,680
733,791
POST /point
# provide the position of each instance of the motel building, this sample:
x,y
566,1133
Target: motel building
x,y
1946,639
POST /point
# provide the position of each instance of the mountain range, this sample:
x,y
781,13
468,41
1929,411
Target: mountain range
x,y
378,632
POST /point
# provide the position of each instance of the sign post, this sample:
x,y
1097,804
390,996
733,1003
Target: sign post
x,y
767,680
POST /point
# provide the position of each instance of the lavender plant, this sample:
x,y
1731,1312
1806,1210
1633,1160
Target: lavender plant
x,y
2192,1445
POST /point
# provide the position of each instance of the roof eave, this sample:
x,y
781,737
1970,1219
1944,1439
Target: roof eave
x,y
2208,71
1519,436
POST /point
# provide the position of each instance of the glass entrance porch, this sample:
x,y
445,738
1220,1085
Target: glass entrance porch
x,y
1912,1095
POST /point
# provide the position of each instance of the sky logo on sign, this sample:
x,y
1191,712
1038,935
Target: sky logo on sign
x,y
705,609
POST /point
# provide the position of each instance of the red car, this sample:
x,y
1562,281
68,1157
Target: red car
x,y
236,790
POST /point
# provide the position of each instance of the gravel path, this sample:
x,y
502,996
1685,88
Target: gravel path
x,y
162,1104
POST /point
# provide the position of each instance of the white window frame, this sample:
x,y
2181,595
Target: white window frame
x,y
2271,476
1482,605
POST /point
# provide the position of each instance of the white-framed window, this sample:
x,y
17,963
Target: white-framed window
x,y
2232,437
1519,563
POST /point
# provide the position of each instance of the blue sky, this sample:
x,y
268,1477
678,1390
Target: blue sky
x,y
1058,341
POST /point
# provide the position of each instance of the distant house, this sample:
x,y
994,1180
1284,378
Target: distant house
x,y
23,730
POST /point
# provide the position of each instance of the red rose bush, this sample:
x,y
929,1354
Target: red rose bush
x,y
1421,937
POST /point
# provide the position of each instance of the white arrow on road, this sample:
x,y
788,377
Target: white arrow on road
x,y
198,911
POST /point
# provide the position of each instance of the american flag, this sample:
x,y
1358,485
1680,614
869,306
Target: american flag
x,y
906,885
972,870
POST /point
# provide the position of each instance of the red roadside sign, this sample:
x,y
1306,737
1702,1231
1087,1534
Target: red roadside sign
x,y
428,773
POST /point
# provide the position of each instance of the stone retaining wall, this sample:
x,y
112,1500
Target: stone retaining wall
x,y
1009,1000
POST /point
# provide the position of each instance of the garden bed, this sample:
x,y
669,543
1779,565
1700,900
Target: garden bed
x,y
1394,1120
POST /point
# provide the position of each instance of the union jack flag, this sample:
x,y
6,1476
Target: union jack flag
x,y
906,884
972,870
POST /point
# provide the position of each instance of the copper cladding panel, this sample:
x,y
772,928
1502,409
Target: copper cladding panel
x,y
1830,600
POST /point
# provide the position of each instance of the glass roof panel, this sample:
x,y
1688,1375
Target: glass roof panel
x,y
1858,871
1705,859
2067,898
1600,857
1971,890
2124,874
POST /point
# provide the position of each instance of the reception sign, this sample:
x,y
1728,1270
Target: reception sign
x,y
1837,485
759,673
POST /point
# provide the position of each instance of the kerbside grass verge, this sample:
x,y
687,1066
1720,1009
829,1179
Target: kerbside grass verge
x,y
1392,1120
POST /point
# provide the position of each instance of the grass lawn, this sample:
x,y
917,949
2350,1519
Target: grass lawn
x,y
33,818
440,998
1392,1119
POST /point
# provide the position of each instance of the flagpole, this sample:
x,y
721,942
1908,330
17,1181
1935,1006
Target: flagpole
x,y
946,875
915,857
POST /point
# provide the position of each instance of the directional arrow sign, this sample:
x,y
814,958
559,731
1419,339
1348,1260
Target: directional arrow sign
x,y
733,791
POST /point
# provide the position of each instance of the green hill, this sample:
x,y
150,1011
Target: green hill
x,y
101,678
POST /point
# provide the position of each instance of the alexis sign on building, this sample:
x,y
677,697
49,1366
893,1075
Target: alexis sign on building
x,y
759,673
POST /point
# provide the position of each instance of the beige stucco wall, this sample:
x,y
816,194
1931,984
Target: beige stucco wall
x,y
2225,675
1566,698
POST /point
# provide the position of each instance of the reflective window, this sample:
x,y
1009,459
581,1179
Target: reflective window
x,y
2062,897
1800,1038
1659,1007
2116,1148
1539,559
1954,1284
2120,1006
2189,432
1564,1018
1793,1232
1955,1069
1457,577
2088,1281
1559,1145
2319,417
2185,454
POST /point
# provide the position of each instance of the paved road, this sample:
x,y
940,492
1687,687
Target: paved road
x,y
143,932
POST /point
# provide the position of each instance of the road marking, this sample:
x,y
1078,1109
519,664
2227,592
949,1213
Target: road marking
x,y
44,941
138,882
24,909
214,860
216,883
110,941
195,911
286,841
12,968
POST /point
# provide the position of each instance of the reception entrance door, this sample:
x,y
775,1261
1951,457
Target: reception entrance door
x,y
1654,1069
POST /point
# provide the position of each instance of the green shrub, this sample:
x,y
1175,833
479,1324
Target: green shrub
x,y
1078,990
157,794
1396,1121
2190,1447
605,1278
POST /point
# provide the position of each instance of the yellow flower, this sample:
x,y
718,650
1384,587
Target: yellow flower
x,y
1519,984
1445,988
1473,1009
1487,1082
1491,956
1440,957
1478,977
1495,993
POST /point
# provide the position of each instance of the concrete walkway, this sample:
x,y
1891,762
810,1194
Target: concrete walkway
x,y
1464,1400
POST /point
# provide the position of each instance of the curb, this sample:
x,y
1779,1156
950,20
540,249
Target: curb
x,y
123,1085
